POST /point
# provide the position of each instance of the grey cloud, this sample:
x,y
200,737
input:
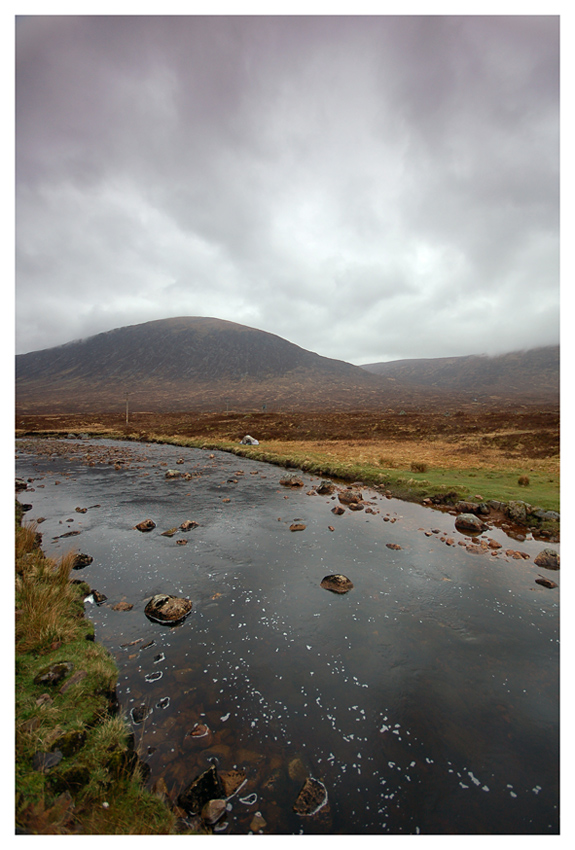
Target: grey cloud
x,y
367,187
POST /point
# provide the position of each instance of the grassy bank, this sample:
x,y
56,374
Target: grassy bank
x,y
76,771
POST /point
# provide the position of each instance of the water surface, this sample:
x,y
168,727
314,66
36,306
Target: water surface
x,y
426,699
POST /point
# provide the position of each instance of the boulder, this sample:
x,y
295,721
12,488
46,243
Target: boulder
x,y
325,488
291,481
188,524
311,798
469,522
297,526
338,510
170,610
517,511
146,525
249,441
81,561
349,497
337,584
172,473
548,558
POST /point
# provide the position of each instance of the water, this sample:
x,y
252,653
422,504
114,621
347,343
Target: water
x,y
426,699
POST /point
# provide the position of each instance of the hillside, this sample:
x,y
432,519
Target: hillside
x,y
188,363
204,364
533,373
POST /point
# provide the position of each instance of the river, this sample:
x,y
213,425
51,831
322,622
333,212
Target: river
x,y
426,699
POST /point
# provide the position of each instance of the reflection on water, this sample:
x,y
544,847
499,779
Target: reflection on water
x,y
425,700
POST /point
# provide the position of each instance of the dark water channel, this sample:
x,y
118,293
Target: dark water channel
x,y
425,700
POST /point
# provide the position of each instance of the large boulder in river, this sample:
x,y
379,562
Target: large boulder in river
x,y
547,558
337,584
167,609
469,522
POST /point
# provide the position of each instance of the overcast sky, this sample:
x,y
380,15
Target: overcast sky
x,y
370,188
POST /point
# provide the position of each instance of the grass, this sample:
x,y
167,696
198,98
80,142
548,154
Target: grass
x,y
97,786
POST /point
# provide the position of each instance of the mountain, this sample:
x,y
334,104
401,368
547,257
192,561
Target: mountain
x,y
204,364
188,363
533,373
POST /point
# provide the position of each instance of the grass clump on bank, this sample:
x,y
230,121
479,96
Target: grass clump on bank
x,y
76,771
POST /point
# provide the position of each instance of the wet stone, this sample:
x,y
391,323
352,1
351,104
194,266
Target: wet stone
x,y
337,584
81,560
205,787
311,798
146,525
350,497
138,713
469,522
232,781
548,558
166,609
213,810
545,582
291,481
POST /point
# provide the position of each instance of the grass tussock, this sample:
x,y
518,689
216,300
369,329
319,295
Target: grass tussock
x,y
96,788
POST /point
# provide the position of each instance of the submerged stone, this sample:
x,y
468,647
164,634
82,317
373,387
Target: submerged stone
x,y
205,787
311,798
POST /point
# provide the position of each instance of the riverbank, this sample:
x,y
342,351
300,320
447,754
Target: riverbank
x,y
76,770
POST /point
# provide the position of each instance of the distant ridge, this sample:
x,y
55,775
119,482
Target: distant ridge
x,y
206,364
528,373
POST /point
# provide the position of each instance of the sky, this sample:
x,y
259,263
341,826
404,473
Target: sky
x,y
371,187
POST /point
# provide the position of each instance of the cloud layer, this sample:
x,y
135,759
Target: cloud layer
x,y
369,188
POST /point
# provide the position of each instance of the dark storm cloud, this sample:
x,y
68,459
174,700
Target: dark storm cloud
x,y
367,187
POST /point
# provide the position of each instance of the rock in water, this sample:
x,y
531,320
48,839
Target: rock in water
x,y
146,525
81,560
548,558
546,582
311,798
213,810
469,522
350,497
167,609
201,790
337,584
